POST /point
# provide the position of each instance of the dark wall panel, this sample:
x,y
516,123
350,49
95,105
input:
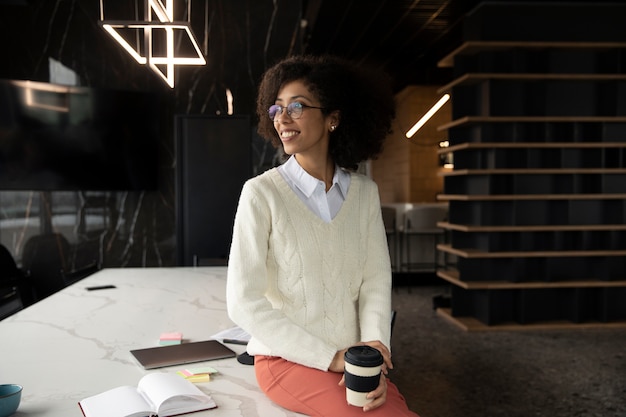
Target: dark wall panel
x,y
212,163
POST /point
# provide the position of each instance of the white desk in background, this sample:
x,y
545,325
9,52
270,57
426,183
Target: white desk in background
x,y
76,343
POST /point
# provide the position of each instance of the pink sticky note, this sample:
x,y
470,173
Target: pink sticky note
x,y
174,338
171,336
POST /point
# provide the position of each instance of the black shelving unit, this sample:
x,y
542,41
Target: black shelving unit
x,y
537,196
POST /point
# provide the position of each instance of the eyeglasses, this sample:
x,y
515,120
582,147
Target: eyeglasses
x,y
294,110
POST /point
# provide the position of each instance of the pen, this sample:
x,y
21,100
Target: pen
x,y
99,287
236,342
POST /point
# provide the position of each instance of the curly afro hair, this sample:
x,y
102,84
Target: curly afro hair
x,y
363,97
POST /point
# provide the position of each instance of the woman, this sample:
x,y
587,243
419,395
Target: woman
x,y
309,272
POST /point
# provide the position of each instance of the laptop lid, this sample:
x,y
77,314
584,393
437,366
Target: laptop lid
x,y
160,356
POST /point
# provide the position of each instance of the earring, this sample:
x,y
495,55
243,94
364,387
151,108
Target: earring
x,y
332,128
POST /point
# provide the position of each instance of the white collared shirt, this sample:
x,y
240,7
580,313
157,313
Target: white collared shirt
x,y
312,191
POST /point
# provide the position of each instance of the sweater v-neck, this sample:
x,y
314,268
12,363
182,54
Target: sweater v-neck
x,y
292,199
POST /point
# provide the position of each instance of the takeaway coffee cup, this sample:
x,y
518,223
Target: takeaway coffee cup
x,y
362,373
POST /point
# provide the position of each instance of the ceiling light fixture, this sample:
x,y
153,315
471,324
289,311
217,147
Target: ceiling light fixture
x,y
428,115
45,96
229,100
163,31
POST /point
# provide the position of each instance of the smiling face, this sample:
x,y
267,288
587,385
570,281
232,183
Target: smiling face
x,y
308,135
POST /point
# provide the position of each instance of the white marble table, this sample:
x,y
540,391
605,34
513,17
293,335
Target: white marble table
x,y
76,343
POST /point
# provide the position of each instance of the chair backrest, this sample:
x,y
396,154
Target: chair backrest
x,y
389,218
8,268
10,283
424,218
46,258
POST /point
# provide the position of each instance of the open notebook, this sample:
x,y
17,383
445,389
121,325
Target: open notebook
x,y
160,356
157,394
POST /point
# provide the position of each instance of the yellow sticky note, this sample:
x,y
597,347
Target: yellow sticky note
x,y
194,378
199,378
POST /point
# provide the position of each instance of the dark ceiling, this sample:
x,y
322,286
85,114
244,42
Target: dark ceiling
x,y
406,38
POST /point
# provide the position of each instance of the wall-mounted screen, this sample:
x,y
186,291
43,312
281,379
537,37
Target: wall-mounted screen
x,y
55,137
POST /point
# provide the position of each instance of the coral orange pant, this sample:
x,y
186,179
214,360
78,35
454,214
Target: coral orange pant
x,y
317,393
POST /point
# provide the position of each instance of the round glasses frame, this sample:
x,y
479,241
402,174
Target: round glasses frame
x,y
294,110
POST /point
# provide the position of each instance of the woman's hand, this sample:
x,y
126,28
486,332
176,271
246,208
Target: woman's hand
x,y
338,362
377,344
378,396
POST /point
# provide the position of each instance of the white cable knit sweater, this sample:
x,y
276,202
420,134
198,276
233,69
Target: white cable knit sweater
x,y
303,288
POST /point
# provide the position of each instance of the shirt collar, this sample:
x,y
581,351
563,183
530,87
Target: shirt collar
x,y
306,183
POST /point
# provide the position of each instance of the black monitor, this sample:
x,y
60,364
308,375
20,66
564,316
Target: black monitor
x,y
60,138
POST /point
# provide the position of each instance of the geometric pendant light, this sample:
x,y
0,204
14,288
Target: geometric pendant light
x,y
154,39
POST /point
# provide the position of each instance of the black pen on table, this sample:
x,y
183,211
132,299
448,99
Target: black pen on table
x,y
236,341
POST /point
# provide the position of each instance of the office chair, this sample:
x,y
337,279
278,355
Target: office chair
x,y
14,287
45,258
422,221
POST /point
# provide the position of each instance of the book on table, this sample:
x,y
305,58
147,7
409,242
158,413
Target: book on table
x,y
156,394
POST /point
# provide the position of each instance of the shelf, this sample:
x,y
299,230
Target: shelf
x,y
531,145
531,119
512,197
475,254
533,228
452,276
471,324
538,171
472,47
471,78
526,182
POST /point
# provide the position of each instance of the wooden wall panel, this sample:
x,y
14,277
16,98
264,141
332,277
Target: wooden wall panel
x,y
407,170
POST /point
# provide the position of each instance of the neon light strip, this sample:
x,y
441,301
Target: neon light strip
x,y
165,14
199,60
427,116
111,31
229,100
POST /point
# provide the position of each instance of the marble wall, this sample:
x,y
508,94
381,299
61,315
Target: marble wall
x,y
134,228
